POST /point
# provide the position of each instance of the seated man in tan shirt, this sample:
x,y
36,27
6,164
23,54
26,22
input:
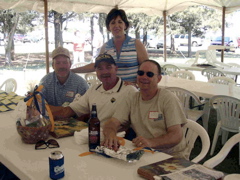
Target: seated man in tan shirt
x,y
156,115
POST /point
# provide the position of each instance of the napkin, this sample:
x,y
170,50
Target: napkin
x,y
81,137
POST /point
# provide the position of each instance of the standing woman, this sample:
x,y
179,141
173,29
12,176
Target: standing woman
x,y
127,52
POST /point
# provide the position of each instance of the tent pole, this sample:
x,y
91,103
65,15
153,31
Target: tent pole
x,y
223,32
46,34
165,37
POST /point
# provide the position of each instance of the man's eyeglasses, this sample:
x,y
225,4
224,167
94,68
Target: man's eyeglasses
x,y
51,143
149,73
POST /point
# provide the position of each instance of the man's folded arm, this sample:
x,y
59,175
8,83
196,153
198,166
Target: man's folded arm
x,y
60,112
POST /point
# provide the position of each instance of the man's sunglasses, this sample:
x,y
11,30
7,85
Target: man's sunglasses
x,y
51,143
149,73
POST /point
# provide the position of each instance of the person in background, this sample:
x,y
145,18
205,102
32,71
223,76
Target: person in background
x,y
127,52
156,115
78,47
61,86
107,95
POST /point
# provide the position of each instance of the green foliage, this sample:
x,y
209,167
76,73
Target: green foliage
x,y
7,19
198,18
12,22
146,23
28,21
25,23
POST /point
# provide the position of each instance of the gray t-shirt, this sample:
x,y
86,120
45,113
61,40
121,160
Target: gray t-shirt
x,y
152,118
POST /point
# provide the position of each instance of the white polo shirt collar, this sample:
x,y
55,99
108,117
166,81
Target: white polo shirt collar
x,y
115,89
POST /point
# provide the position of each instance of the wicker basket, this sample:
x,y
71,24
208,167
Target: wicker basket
x,y
32,135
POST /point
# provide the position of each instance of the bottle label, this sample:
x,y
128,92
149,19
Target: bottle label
x,y
93,138
93,133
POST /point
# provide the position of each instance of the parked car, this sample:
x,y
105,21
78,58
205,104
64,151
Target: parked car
x,y
18,37
182,40
160,43
231,42
151,41
31,39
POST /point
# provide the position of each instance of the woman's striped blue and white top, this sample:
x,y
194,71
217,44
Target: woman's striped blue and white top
x,y
126,60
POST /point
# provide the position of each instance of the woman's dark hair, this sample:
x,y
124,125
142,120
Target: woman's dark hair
x,y
114,13
154,62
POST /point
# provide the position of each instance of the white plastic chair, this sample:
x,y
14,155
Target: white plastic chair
x,y
210,72
191,131
190,61
168,69
235,65
10,85
228,117
222,154
211,57
191,104
92,79
188,99
183,74
222,80
79,64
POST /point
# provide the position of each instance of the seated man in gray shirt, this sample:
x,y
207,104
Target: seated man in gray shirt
x,y
61,86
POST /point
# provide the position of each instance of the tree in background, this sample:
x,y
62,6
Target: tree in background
x,y
201,19
101,24
12,22
195,20
145,23
58,19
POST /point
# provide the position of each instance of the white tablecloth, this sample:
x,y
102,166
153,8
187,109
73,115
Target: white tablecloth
x,y
28,163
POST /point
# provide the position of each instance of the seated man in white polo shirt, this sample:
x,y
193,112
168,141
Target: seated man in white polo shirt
x,y
106,95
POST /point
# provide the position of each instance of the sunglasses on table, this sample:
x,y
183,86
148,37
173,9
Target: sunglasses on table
x,y
149,73
51,143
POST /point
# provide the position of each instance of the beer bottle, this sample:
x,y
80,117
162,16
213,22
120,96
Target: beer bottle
x,y
93,130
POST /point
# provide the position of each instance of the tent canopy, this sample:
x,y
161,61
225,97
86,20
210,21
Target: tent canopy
x,y
151,7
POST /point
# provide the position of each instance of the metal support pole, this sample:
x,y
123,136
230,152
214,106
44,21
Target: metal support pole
x,y
46,34
165,37
223,32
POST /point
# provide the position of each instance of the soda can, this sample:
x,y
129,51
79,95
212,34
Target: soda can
x,y
56,165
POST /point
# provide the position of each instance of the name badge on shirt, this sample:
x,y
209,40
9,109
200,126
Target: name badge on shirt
x,y
155,116
70,94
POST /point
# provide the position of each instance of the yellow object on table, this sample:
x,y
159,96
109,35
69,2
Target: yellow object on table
x,y
8,101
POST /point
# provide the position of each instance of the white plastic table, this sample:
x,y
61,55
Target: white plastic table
x,y
227,70
200,88
30,164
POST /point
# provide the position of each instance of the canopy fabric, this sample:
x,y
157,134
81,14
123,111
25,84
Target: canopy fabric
x,y
150,7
